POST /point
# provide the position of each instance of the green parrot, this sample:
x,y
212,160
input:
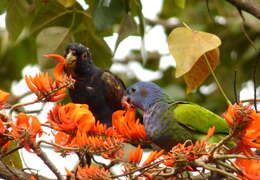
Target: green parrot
x,y
168,122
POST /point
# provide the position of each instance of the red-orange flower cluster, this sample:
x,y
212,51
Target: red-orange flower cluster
x,y
250,168
77,129
3,96
135,156
129,127
93,172
153,156
246,123
26,129
71,117
46,88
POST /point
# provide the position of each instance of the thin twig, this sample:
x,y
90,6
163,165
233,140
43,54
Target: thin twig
x,y
221,163
216,80
139,169
250,100
235,88
232,156
220,143
211,168
10,152
46,160
14,107
247,5
59,146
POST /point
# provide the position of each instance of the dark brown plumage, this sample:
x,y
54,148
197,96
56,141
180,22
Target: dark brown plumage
x,y
98,88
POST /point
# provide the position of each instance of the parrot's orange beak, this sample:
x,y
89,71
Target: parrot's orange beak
x,y
60,58
125,102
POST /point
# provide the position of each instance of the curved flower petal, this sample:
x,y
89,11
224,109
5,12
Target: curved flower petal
x,y
3,96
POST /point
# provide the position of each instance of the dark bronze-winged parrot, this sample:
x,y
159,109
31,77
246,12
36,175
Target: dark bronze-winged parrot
x,y
168,122
98,88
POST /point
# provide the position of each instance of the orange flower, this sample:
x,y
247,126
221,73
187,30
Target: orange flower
x,y
2,127
135,156
250,168
130,128
4,146
58,70
3,96
26,129
71,117
69,173
93,172
153,156
97,144
33,178
244,120
46,89
62,138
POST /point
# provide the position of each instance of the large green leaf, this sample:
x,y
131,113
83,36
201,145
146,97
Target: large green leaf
x,y
3,6
13,159
87,35
14,59
17,12
107,14
53,14
52,40
128,26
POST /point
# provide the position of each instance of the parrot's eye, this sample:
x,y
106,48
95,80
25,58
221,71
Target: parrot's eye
x,y
84,55
132,90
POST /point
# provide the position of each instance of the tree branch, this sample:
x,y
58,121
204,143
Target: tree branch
x,y
7,172
247,5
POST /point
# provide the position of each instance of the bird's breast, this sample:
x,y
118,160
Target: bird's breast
x,y
154,120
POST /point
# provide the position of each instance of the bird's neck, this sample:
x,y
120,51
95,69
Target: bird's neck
x,y
82,69
155,99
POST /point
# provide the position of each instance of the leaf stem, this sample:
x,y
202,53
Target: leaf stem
x,y
216,80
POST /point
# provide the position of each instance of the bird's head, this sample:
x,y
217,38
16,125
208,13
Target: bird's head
x,y
76,52
142,95
77,58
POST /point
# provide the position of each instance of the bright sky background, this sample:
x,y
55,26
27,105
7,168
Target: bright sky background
x,y
155,41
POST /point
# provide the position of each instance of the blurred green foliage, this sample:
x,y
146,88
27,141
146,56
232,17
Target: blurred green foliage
x,y
38,27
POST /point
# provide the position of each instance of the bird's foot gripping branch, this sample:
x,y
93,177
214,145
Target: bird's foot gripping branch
x,y
76,131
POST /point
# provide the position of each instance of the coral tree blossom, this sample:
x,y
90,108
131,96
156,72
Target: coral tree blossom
x,y
46,88
71,117
246,123
26,129
129,127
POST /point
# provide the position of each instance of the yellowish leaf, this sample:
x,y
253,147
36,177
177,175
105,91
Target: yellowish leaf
x,y
200,71
186,46
67,3
189,47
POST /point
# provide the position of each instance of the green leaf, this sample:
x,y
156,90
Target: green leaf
x,y
128,26
3,6
67,3
105,16
180,3
87,35
14,59
52,14
171,8
136,10
13,159
52,40
16,17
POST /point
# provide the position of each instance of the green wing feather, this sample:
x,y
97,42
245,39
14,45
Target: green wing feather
x,y
198,118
